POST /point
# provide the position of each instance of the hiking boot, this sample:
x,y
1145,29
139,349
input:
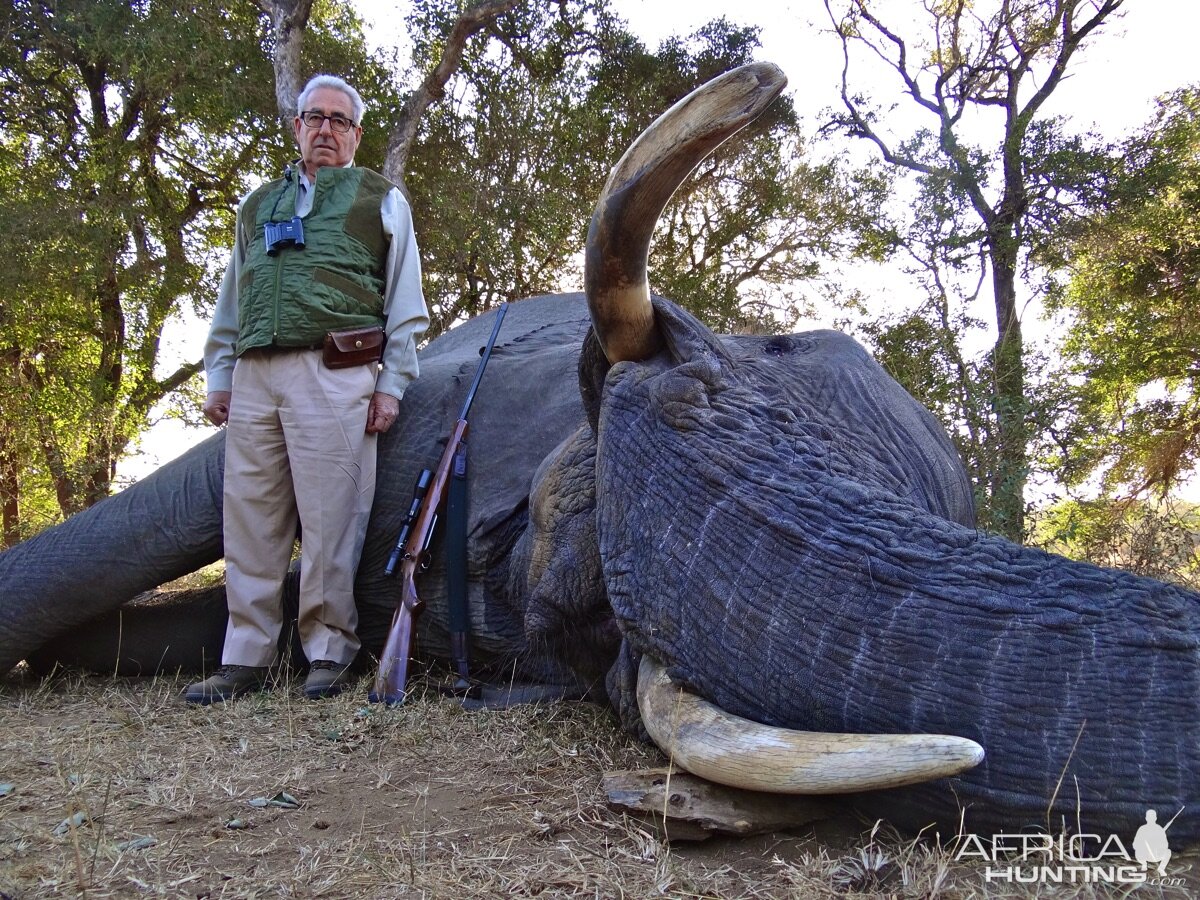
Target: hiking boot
x,y
226,683
327,678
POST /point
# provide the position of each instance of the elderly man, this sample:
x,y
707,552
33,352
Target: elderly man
x,y
325,253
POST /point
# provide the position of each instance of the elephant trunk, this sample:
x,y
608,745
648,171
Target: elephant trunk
x,y
161,528
618,242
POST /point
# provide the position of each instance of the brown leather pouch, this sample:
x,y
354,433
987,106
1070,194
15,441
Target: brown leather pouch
x,y
353,347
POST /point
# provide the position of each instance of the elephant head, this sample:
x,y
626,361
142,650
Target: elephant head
x,y
771,522
786,533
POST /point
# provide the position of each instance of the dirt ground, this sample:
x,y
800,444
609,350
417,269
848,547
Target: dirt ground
x,y
116,788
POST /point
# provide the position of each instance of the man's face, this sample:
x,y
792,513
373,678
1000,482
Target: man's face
x,y
323,146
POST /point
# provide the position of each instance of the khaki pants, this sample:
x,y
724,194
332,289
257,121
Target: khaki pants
x,y
296,448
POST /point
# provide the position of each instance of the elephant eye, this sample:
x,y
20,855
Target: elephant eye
x,y
777,346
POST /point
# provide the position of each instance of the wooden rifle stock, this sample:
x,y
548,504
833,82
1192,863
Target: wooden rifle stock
x,y
393,666
412,548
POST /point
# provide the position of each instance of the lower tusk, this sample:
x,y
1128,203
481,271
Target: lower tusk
x,y
707,741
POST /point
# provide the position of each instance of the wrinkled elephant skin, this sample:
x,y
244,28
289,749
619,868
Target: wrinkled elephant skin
x,y
757,537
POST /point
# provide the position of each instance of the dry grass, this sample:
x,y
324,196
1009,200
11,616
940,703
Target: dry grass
x,y
423,801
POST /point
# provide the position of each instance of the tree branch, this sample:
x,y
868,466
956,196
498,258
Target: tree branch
x,y
859,124
432,89
150,391
1071,39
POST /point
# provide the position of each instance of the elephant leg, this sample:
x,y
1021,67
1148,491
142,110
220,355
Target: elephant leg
x,y
163,632
180,630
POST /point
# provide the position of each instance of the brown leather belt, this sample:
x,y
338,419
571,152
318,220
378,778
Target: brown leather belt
x,y
275,350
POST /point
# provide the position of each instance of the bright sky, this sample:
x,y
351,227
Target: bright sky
x,y
1149,52
1112,86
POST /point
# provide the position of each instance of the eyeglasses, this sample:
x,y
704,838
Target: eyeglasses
x,y
337,122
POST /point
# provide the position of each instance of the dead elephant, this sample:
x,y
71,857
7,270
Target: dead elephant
x,y
772,521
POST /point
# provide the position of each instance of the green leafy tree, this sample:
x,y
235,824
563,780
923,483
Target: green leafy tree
x,y
934,349
497,171
130,130
1158,539
504,176
127,133
1132,349
1001,177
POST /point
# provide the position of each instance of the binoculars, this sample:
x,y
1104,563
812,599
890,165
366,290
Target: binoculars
x,y
277,235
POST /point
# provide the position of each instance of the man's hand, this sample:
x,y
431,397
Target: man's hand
x,y
382,413
216,406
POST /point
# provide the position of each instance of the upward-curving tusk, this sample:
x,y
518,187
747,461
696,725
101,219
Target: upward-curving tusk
x,y
639,187
707,741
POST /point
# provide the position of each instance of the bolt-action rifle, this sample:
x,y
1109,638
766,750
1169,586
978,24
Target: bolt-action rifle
x,y
411,553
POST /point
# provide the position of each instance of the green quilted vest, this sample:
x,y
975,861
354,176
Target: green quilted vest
x,y
335,281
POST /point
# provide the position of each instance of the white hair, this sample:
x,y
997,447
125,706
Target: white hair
x,y
337,84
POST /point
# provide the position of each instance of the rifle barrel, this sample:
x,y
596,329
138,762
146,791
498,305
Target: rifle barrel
x,y
486,353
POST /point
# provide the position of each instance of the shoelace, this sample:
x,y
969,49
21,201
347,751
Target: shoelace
x,y
231,670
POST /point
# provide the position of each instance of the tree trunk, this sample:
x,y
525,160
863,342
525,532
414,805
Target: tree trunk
x,y
10,468
1010,467
289,18
10,491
